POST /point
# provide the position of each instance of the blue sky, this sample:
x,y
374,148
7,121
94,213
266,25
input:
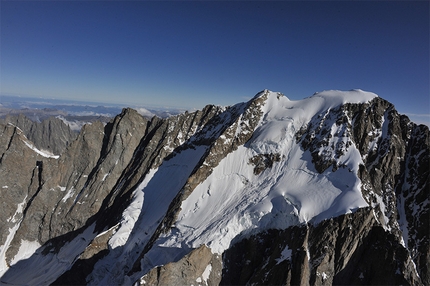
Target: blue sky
x,y
189,54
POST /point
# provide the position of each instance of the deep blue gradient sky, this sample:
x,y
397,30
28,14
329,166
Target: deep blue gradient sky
x,y
189,54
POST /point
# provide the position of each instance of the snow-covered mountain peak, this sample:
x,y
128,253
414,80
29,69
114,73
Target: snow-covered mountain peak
x,y
281,114
267,174
275,102
338,97
304,186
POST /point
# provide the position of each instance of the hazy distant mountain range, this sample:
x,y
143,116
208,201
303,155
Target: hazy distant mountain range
x,y
73,113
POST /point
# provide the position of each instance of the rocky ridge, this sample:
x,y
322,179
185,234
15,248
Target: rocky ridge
x,y
51,135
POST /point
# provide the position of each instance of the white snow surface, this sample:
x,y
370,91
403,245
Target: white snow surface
x,y
39,269
43,153
233,201
26,249
205,274
130,214
285,255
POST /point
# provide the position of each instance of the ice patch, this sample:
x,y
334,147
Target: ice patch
x,y
205,274
324,276
43,153
68,195
285,255
105,176
26,249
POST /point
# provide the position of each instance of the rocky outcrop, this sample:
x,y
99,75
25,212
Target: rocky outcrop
x,y
199,267
351,249
264,161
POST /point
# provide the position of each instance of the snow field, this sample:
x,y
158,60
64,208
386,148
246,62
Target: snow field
x,y
130,215
234,201
26,249
42,269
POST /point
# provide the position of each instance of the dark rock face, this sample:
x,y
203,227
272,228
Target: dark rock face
x,y
351,249
412,194
264,161
394,151
79,198
51,134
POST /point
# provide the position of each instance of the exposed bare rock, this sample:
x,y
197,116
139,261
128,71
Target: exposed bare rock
x,y
263,161
199,267
52,134
351,249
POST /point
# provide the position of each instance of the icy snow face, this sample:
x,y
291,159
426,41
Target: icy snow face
x,y
233,200
43,269
26,249
338,97
130,215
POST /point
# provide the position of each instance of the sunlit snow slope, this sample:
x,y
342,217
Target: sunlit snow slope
x,y
233,199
